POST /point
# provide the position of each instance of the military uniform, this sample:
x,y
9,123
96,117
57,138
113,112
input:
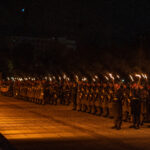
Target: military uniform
x,y
136,108
105,102
144,99
117,108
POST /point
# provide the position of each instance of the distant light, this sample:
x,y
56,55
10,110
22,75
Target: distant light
x,y
22,10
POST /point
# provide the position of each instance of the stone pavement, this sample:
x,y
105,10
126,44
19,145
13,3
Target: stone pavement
x,y
30,126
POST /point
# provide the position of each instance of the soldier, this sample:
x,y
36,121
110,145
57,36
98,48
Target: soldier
x,y
74,95
84,98
88,98
55,94
93,100
98,104
126,104
51,94
46,92
117,108
110,98
67,95
79,98
105,100
144,99
135,107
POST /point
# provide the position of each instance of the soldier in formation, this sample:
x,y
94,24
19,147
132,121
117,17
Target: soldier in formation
x,y
123,102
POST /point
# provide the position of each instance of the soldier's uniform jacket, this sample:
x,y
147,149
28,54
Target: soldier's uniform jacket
x,y
135,101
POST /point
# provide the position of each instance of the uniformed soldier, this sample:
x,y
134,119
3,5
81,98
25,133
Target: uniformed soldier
x,y
85,93
79,98
135,107
126,104
98,104
46,92
117,108
110,100
88,99
144,99
105,101
74,95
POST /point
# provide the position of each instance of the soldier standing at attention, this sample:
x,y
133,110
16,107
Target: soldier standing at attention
x,y
135,107
117,108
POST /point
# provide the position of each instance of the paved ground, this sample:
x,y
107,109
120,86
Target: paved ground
x,y
30,126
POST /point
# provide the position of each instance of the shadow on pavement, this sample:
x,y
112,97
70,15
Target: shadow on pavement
x,y
73,144
4,144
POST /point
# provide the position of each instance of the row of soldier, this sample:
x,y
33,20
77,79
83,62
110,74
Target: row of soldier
x,y
121,102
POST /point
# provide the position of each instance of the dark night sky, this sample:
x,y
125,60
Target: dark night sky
x,y
105,20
